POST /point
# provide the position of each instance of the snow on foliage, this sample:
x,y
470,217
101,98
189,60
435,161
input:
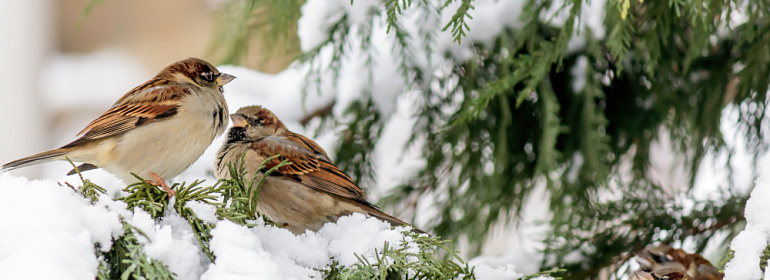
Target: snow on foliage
x,y
47,223
48,231
750,243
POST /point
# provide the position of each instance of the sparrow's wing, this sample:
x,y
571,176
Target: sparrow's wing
x,y
145,104
309,165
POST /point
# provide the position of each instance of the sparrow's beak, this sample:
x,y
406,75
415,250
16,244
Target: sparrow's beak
x,y
239,120
223,79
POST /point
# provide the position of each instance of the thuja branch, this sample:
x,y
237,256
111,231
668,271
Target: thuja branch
x,y
196,193
241,194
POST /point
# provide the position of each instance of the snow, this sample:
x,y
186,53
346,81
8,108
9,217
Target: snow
x,y
270,253
520,241
205,212
240,255
60,229
172,242
490,17
43,223
499,273
397,161
750,243
578,73
591,18
359,234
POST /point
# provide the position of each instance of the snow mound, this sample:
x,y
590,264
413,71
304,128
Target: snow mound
x,y
750,243
48,223
48,231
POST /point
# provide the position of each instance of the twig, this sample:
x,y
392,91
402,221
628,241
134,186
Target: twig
x,y
320,112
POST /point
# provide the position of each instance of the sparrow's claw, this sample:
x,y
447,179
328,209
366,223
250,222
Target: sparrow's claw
x,y
158,181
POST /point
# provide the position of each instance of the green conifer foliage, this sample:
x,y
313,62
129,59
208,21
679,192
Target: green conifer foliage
x,y
509,121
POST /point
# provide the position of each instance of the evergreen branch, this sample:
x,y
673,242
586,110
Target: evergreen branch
x,y
630,224
359,141
392,10
201,229
619,38
337,42
764,258
401,262
133,262
319,113
663,67
126,258
147,197
254,198
241,195
547,155
406,55
545,273
88,189
529,68
458,21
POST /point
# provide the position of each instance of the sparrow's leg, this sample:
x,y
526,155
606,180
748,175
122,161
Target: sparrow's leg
x,y
158,181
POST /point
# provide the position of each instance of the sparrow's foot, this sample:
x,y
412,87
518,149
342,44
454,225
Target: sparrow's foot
x,y
158,181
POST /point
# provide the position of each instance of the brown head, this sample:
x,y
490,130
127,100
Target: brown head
x,y
196,71
254,122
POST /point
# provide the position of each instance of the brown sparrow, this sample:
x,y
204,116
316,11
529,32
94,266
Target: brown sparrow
x,y
306,194
157,129
664,262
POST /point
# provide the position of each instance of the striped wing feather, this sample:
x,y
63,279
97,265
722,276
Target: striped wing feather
x,y
309,164
143,105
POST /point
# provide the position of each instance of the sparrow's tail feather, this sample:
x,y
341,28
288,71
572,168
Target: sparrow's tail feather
x,y
36,159
392,220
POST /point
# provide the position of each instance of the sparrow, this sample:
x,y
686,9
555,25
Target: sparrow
x,y
664,262
157,130
304,195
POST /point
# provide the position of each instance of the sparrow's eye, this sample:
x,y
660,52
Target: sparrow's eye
x,y
255,122
208,76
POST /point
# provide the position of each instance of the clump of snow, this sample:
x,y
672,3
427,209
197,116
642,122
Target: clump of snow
x,y
591,18
49,231
497,273
397,161
240,255
205,212
359,234
712,171
578,73
500,272
319,15
519,243
490,17
273,253
750,243
172,242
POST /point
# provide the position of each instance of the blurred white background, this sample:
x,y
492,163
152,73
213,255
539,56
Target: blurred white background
x,y
62,68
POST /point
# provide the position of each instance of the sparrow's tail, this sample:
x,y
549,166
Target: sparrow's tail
x,y
36,159
392,220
